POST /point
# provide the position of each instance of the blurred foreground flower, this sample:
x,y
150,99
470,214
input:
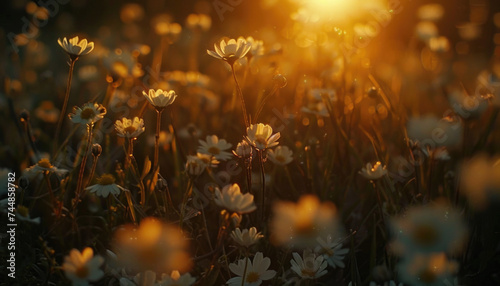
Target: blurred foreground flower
x,y
247,237
427,229
105,186
129,128
231,51
261,136
251,273
153,245
427,270
176,279
480,180
90,113
374,172
309,266
83,267
75,47
300,224
231,199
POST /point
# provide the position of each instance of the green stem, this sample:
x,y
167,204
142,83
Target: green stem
x,y
240,93
157,139
263,176
62,115
90,127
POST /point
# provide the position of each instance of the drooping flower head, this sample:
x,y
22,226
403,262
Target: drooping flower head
x,y
82,268
76,47
129,128
90,113
105,186
261,136
243,150
231,199
231,51
160,98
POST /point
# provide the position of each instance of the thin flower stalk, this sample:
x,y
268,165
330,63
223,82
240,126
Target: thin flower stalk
x,y
157,139
263,177
90,129
242,99
62,115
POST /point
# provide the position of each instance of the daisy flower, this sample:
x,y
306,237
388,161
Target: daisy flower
x,y
82,268
153,245
243,150
231,51
257,47
233,200
256,271
261,136
427,270
428,229
160,98
75,47
374,172
195,166
215,147
332,251
90,113
309,266
300,224
247,237
129,128
176,279
105,186
282,155
43,166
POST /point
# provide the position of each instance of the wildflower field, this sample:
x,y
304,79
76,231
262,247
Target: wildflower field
x,y
238,142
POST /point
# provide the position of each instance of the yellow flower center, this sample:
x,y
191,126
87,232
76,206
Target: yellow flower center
x,y
308,272
280,159
252,277
261,140
425,235
87,113
130,129
214,150
82,272
45,163
106,179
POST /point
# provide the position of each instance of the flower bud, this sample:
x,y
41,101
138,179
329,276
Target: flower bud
x,y
96,150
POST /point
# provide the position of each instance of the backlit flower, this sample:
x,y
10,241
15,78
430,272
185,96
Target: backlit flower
x,y
243,150
105,186
256,271
215,147
309,266
153,245
129,128
159,98
90,113
76,47
257,47
374,172
82,268
247,237
231,199
43,166
231,51
261,136
300,224
282,155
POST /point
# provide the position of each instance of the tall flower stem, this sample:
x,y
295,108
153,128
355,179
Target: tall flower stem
x,y
245,270
157,139
90,127
62,115
263,176
92,171
240,94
